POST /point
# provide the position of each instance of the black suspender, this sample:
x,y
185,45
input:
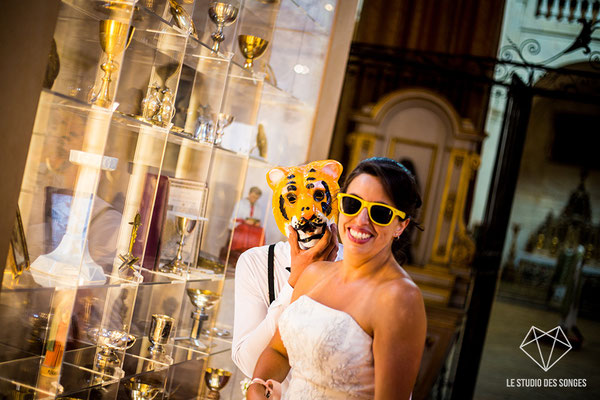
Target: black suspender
x,y
271,273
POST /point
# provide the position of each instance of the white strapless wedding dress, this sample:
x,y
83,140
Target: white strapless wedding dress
x,y
330,354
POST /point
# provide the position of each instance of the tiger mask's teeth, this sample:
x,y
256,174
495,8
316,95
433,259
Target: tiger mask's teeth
x,y
309,232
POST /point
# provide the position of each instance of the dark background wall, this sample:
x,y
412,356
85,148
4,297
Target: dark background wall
x,y
439,45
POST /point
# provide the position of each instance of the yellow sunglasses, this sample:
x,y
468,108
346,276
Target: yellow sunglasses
x,y
380,213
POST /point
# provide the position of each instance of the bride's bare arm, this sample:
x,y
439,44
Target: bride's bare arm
x,y
399,328
272,364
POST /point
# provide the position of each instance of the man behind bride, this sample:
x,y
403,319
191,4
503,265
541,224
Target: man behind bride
x,y
305,208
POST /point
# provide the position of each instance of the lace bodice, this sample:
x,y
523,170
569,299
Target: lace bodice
x,y
330,354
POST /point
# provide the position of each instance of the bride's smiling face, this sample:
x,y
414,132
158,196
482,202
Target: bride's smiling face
x,y
359,234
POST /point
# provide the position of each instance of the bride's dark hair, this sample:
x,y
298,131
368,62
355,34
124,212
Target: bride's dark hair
x,y
400,185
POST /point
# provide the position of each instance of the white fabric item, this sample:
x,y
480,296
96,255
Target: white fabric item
x,y
255,321
330,354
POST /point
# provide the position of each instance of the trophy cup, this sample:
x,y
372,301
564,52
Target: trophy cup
x,y
115,36
222,14
22,393
203,300
109,341
251,47
158,107
215,379
223,121
141,391
160,330
204,129
185,226
129,259
182,18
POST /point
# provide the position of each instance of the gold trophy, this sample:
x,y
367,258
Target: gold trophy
x,y
141,391
160,330
223,121
215,379
203,300
251,47
222,14
185,226
115,36
129,259
182,19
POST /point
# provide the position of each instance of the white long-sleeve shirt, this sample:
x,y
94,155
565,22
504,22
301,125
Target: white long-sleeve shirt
x,y
255,321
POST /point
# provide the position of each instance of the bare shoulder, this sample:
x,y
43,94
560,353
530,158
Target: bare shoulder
x,y
314,273
400,297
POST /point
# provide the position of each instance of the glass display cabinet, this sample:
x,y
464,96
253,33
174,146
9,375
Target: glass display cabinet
x,y
160,117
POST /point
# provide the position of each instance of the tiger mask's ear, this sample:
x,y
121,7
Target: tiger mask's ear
x,y
328,167
275,175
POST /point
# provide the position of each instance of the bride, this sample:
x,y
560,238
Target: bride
x,y
355,328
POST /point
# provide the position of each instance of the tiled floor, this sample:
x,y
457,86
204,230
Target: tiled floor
x,y
503,359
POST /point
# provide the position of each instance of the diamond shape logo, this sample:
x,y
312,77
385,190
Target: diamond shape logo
x,y
546,348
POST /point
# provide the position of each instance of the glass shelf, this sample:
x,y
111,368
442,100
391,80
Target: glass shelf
x,y
97,9
16,375
92,170
312,10
178,351
125,121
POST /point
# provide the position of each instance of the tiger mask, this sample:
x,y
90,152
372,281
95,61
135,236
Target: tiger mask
x,y
305,198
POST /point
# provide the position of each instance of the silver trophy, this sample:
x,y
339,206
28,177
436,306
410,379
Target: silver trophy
x,y
204,131
109,342
160,330
141,391
203,300
185,226
222,13
158,107
223,121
